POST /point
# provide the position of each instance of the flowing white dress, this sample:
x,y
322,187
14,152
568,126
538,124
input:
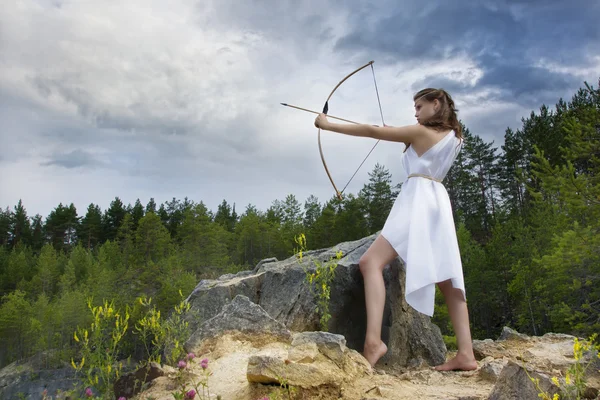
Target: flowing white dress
x,y
421,228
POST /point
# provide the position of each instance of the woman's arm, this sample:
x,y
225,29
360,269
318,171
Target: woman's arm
x,y
405,134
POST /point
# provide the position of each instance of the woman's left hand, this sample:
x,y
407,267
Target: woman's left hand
x,y
321,121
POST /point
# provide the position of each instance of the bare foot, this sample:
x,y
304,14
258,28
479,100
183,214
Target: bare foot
x,y
458,363
374,352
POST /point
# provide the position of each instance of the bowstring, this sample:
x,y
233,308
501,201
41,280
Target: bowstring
x,y
377,142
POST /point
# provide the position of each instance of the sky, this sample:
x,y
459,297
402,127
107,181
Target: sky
x,y
154,99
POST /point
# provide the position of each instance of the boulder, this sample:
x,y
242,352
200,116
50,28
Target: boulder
x,y
280,288
241,315
314,359
515,383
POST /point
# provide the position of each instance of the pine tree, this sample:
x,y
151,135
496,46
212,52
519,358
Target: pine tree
x,y
312,209
37,233
351,222
152,241
137,213
113,217
5,223
225,216
61,227
482,161
91,232
151,206
378,196
20,231
513,166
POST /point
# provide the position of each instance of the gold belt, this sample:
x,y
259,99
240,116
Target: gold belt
x,y
423,176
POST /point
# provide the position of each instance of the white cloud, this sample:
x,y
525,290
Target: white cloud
x,y
172,99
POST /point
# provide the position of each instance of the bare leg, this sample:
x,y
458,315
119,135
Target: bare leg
x,y
379,254
459,315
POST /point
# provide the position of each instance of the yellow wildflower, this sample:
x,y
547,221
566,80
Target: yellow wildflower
x,y
555,381
75,337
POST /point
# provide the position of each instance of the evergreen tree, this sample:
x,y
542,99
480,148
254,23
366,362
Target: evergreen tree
x,y
151,206
61,227
5,223
37,233
513,166
350,220
113,217
152,240
20,231
312,209
482,163
225,216
379,197
204,243
91,232
137,213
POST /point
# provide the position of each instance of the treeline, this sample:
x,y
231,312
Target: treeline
x,y
526,214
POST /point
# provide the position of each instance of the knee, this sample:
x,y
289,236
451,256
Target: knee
x,y
366,264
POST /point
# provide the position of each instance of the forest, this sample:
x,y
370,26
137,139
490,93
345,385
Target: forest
x,y
526,215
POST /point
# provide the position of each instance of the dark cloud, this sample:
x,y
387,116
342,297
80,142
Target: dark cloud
x,y
73,159
509,41
529,86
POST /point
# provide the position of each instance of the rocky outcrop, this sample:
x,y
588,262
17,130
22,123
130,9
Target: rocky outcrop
x,y
241,315
319,365
279,288
29,378
314,359
514,383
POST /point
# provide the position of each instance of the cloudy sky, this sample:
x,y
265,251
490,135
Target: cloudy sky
x,y
145,98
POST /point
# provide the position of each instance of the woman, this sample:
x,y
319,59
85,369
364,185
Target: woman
x,y
420,227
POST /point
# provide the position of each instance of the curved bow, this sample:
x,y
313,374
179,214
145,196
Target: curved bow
x,y
326,109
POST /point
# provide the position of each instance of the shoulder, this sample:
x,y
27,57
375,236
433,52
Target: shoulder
x,y
405,134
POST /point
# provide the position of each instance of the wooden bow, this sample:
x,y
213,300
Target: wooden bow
x,y
326,110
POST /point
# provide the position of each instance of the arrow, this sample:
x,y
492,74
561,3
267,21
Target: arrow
x,y
316,112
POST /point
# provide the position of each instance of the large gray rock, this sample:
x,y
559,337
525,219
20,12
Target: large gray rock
x,y
515,383
28,378
279,287
240,315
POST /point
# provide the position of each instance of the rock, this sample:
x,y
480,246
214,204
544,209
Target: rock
x,y
279,287
28,378
314,359
263,262
591,393
511,334
514,384
488,348
131,384
240,315
330,345
558,336
492,369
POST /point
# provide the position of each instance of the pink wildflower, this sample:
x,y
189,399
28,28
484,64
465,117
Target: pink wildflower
x,y
182,364
190,395
191,356
204,363
88,392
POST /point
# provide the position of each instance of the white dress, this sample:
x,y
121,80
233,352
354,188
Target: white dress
x,y
421,228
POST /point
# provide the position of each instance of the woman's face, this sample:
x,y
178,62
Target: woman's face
x,y
425,109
